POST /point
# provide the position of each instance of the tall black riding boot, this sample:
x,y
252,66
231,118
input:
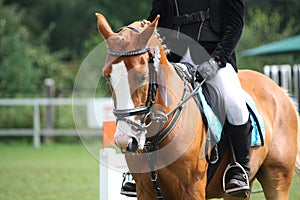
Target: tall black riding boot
x,y
128,185
238,172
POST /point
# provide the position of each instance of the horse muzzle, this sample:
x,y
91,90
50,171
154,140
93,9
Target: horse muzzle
x,y
126,142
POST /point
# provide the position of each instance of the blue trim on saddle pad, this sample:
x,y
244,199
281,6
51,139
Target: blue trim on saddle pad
x,y
256,139
215,126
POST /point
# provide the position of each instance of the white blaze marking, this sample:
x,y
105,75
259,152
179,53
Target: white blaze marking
x,y
120,84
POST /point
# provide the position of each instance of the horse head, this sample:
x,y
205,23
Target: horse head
x,y
132,78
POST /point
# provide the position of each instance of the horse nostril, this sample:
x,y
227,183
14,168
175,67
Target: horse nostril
x,y
132,145
121,140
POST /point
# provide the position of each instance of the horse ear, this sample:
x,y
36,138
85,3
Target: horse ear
x,y
155,21
146,34
103,27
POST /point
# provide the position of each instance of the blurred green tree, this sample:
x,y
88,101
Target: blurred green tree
x,y
264,28
25,60
287,9
74,21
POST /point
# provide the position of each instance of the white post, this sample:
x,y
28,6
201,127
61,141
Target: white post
x,y
296,72
286,77
267,70
36,126
49,109
112,166
274,73
103,176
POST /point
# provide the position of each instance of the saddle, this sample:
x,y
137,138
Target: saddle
x,y
216,143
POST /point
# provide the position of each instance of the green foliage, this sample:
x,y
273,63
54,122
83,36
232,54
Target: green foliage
x,y
50,39
11,118
25,60
14,54
123,12
74,21
264,28
287,9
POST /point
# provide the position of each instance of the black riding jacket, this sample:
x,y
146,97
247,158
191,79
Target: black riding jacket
x,y
220,32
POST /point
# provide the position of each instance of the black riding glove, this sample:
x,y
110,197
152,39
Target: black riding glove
x,y
207,70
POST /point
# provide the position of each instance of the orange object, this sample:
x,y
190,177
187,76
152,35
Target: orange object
x,y
108,131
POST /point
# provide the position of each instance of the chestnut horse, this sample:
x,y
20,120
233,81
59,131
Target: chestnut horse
x,y
180,171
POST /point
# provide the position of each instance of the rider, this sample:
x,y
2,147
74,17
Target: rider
x,y
217,26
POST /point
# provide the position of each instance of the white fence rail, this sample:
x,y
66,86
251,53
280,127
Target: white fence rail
x,y
281,74
36,132
287,77
284,75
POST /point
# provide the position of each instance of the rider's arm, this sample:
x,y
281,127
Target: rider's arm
x,y
233,26
165,9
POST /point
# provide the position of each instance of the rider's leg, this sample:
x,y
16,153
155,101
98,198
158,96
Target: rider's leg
x,y
227,96
238,183
226,86
128,185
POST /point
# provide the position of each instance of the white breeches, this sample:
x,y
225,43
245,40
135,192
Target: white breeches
x,y
227,96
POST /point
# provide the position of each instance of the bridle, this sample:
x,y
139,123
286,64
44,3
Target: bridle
x,y
119,113
124,114
148,109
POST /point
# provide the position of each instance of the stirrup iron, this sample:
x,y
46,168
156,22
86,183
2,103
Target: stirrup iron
x,y
245,176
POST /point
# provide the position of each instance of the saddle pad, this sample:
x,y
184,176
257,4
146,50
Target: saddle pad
x,y
215,126
256,139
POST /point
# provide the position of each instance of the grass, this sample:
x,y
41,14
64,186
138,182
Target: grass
x,y
60,172
54,172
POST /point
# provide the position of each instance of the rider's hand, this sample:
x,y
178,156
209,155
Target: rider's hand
x,y
208,69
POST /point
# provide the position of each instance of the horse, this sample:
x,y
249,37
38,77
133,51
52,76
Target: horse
x,y
180,172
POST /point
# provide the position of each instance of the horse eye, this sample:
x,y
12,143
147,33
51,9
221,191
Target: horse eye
x,y
143,78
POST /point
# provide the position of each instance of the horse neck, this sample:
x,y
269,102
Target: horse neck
x,y
190,122
172,82
170,79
